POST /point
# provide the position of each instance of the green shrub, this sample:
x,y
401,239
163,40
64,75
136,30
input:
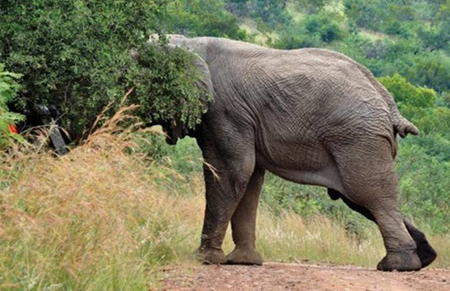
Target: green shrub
x,y
76,55
424,187
271,12
8,90
434,144
323,25
312,31
431,70
294,38
312,6
445,99
406,93
365,14
164,81
202,18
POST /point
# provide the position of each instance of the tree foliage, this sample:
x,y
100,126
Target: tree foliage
x,y
271,12
76,55
164,82
202,18
313,31
406,93
8,90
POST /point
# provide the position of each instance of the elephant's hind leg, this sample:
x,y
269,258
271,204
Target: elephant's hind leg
x,y
243,224
425,251
370,181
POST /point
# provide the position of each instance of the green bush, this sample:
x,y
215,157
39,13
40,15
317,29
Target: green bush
x,y
8,90
365,14
424,187
406,93
445,99
294,37
391,17
312,6
271,12
419,105
431,70
164,81
76,55
323,25
312,31
202,18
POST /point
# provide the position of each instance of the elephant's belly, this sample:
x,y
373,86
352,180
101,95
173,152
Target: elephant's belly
x,y
313,167
327,177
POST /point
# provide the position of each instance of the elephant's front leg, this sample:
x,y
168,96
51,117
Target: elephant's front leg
x,y
243,224
224,191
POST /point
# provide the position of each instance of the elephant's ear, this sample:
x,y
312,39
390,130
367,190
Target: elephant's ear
x,y
204,82
177,129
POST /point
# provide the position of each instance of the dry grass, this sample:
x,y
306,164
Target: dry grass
x,y
96,219
90,220
317,240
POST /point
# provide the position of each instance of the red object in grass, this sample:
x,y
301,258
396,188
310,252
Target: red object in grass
x,y
12,128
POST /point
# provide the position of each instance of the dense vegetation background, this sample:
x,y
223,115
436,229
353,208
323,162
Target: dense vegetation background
x,y
76,54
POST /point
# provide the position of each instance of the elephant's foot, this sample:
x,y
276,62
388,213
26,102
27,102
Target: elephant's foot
x,y
402,261
244,256
210,256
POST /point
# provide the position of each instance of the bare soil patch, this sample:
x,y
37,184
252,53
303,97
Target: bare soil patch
x,y
284,276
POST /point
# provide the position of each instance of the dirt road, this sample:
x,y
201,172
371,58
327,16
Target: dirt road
x,y
281,276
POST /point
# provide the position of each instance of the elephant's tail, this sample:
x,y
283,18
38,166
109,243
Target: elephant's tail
x,y
404,126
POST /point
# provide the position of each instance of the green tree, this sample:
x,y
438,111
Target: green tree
x,y
312,31
271,12
445,99
438,121
431,70
424,187
312,6
202,18
413,102
164,86
76,54
406,93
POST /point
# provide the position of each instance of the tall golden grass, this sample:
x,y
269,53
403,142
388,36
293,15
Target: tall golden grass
x,y
98,219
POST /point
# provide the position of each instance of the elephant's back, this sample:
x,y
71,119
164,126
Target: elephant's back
x,y
305,96
310,85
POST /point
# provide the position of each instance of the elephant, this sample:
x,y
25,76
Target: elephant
x,y
311,116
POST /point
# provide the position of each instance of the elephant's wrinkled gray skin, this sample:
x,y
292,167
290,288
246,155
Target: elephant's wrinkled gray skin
x,y
311,116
